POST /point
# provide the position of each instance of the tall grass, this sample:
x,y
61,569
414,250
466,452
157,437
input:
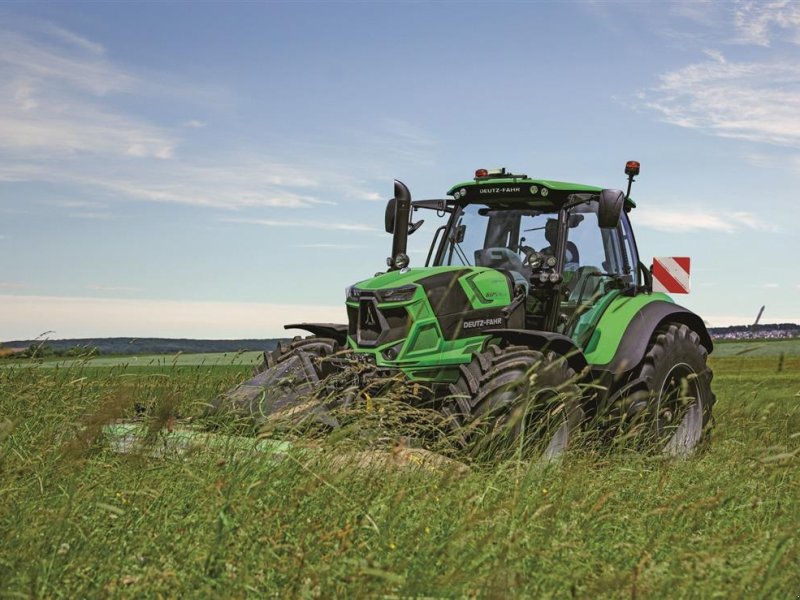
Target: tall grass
x,y
77,520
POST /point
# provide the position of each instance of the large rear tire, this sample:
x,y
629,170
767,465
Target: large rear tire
x,y
286,380
673,410
515,401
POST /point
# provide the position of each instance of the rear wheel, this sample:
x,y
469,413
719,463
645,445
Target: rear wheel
x,y
673,410
515,400
285,381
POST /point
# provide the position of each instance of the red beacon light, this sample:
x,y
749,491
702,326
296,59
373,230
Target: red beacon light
x,y
481,173
632,168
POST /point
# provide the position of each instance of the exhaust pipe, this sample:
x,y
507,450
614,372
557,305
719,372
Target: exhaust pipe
x,y
402,215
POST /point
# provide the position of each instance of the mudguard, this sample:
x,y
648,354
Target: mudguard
x,y
543,340
336,331
633,345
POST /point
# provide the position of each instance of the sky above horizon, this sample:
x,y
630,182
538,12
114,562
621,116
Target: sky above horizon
x,y
215,170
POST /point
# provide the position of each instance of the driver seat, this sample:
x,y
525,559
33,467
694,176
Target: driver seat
x,y
503,259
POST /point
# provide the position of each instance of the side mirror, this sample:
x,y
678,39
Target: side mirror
x,y
391,207
459,236
611,203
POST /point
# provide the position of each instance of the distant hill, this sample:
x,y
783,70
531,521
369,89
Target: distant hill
x,y
125,345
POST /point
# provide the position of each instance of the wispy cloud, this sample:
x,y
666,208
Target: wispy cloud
x,y
112,288
93,215
330,246
757,101
66,118
759,22
52,99
11,285
305,224
771,285
682,220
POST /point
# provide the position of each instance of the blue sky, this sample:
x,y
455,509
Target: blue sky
x,y
216,170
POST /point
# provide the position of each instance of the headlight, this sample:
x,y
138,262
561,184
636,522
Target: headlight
x,y
401,261
352,293
401,294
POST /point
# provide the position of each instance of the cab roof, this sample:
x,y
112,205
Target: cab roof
x,y
521,188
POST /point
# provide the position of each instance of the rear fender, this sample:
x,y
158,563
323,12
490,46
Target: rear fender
x,y
544,341
640,329
329,330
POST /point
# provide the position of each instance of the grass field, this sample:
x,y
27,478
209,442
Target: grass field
x,y
77,520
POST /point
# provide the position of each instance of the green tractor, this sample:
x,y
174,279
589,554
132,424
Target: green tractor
x,y
533,311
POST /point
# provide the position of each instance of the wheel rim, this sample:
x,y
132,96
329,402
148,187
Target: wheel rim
x,y
546,421
679,412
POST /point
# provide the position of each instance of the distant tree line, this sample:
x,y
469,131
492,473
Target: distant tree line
x,y
759,329
127,346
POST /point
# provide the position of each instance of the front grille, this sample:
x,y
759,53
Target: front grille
x,y
373,326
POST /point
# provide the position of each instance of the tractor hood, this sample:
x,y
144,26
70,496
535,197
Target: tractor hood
x,y
439,304
465,288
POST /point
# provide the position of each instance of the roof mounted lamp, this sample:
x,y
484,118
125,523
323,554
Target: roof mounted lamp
x,y
631,170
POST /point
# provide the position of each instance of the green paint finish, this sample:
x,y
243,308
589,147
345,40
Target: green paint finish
x,y
394,279
559,190
588,320
614,322
561,186
425,355
486,288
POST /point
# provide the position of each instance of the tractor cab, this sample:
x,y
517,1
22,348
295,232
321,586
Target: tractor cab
x,y
567,249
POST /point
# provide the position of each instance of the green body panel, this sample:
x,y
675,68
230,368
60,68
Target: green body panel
x,y
559,189
612,323
486,288
394,279
561,186
425,354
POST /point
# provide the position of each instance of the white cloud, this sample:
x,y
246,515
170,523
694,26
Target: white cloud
x,y
62,124
305,224
756,101
52,100
97,216
680,220
759,22
771,285
11,285
112,288
330,246
23,317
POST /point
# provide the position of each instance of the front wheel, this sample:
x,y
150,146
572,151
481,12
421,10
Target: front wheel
x,y
673,408
515,401
285,382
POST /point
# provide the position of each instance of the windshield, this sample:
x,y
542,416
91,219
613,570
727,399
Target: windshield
x,y
479,228
502,238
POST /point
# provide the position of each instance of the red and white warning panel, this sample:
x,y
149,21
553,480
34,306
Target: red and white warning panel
x,y
671,274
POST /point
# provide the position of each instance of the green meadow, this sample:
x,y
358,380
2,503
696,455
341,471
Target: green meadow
x,y
319,521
